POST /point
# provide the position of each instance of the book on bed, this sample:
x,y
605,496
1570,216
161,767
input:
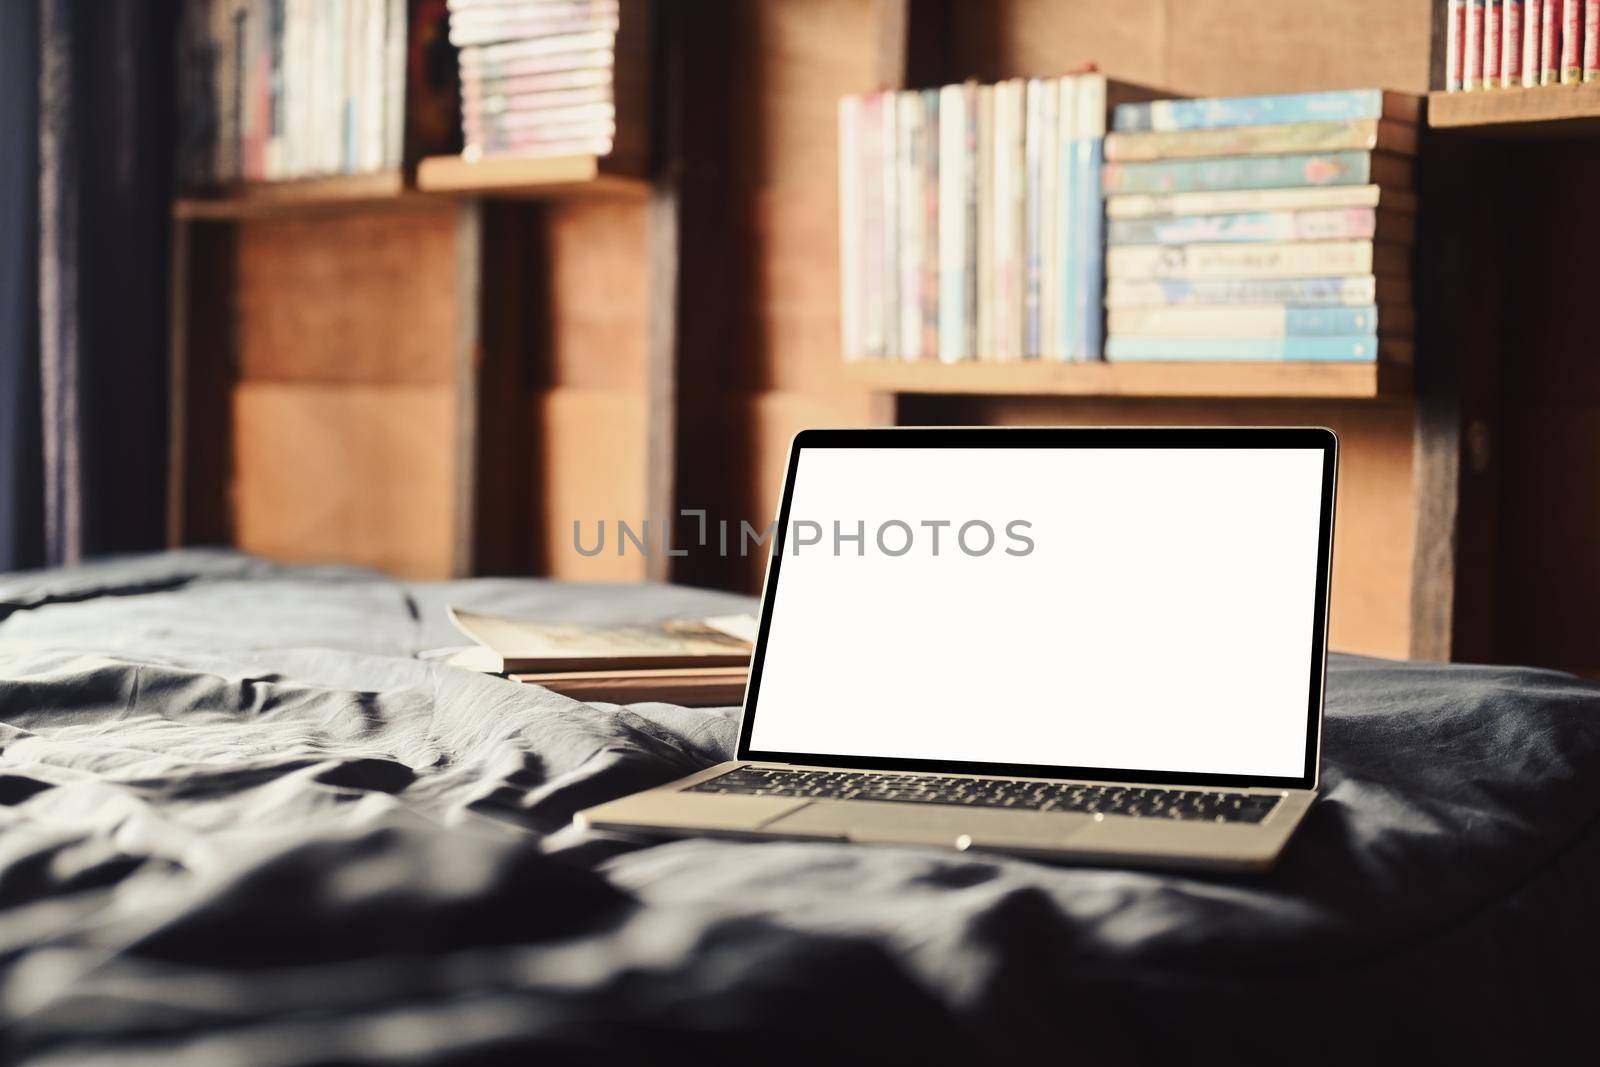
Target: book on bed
x,y
692,661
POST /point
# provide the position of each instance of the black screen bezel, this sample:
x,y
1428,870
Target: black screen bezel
x,y
1319,438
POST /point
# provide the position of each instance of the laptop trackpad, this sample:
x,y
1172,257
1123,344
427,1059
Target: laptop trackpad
x,y
932,824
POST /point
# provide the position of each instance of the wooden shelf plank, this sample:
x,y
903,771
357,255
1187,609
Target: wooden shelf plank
x,y
515,176
1266,380
262,198
1546,111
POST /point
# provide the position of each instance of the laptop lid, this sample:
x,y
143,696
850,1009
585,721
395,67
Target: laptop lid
x,y
1141,605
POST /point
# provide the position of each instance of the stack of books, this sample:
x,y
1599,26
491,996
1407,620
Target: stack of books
x,y
282,89
694,662
544,78
1261,228
1506,44
970,221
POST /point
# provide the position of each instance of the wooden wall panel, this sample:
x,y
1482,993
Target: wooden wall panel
x,y
1011,38
1221,47
591,466
351,473
1199,47
598,294
367,296
589,409
1373,534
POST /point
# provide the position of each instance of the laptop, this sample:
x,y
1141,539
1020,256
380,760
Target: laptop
x,y
1091,645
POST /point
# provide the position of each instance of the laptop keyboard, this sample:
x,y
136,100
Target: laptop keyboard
x,y
1133,801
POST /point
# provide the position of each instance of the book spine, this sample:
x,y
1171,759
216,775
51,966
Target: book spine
x,y
909,165
983,342
873,337
928,197
1313,292
1088,291
1571,43
1591,40
1249,111
1009,213
850,216
1511,44
888,134
1550,43
1359,349
1312,258
952,188
1532,28
1031,144
1454,23
1472,47
1491,44
1141,205
1250,172
969,221
1051,253
1349,223
1068,196
1244,140
1278,320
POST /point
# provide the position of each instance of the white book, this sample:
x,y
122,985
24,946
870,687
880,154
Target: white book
x,y
888,134
850,236
1141,205
1065,197
1050,249
909,171
1010,205
372,116
983,339
951,182
394,87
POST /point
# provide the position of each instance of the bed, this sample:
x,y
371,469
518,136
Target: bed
x,y
240,821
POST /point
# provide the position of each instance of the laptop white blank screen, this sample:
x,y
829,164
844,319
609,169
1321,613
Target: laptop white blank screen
x,y
1137,609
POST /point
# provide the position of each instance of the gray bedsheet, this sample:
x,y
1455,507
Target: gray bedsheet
x,y
239,822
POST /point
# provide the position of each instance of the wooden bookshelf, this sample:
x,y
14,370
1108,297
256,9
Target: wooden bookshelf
x,y
513,176
1220,380
252,199
1552,111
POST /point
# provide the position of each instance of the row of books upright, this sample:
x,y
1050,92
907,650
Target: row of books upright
x,y
551,77
1505,44
1261,228
278,89
970,220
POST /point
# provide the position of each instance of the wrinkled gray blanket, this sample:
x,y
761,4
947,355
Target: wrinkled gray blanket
x,y
241,823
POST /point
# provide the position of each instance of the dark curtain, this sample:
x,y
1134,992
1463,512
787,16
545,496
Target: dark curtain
x,y
92,355
21,467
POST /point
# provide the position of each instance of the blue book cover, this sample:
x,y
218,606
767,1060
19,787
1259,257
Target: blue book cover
x,y
1244,320
1240,172
1183,292
1088,310
1247,226
1248,349
1249,110
1069,278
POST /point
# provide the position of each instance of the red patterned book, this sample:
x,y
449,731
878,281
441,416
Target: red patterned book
x,y
1532,30
1472,47
1511,45
1571,41
1550,43
1491,44
1591,40
1454,30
